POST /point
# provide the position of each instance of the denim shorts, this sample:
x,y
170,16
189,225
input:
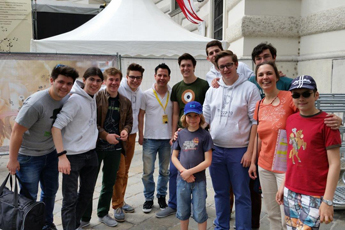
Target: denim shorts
x,y
191,193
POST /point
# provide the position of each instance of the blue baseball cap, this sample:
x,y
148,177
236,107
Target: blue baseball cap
x,y
303,82
193,107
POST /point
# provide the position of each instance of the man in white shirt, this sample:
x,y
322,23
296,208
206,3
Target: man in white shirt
x,y
157,106
130,88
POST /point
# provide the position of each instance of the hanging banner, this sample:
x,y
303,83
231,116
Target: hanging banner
x,y
15,25
21,78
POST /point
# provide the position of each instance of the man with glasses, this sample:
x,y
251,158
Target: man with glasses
x,y
229,112
212,49
75,135
130,88
32,152
157,106
191,88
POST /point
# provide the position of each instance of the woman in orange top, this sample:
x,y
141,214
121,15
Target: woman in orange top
x,y
274,110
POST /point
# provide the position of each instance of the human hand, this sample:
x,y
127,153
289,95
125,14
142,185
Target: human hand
x,y
176,134
190,179
141,139
215,83
281,74
252,171
185,174
246,159
124,135
12,166
111,138
64,165
326,213
333,121
280,195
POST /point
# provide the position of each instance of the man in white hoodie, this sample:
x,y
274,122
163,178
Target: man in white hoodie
x,y
130,88
212,49
75,135
229,112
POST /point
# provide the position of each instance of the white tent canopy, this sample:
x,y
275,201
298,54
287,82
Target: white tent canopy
x,y
130,28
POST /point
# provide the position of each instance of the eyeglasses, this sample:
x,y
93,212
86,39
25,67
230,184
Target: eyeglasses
x,y
305,94
228,66
135,78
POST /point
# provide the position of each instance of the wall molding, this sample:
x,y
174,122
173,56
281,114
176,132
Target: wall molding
x,y
325,21
264,26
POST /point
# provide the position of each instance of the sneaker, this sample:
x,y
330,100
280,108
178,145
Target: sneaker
x,y
147,207
107,220
49,227
119,215
166,212
84,224
162,203
127,208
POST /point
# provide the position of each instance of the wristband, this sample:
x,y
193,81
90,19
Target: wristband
x,y
62,153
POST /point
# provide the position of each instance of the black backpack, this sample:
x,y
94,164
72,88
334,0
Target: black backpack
x,y
19,212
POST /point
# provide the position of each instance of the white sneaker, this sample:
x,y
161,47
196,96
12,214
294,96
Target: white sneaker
x,y
107,220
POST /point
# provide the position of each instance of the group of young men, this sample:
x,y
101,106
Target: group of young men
x,y
73,134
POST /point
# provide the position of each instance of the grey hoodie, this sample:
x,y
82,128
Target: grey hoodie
x,y
78,122
229,110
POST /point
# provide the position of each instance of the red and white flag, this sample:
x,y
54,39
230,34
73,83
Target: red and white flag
x,y
188,10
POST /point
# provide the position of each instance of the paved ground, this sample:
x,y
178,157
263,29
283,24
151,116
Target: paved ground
x,y
135,197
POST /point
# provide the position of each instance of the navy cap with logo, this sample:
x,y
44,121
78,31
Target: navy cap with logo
x,y
193,107
303,82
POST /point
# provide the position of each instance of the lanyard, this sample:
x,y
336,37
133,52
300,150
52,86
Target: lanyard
x,y
159,101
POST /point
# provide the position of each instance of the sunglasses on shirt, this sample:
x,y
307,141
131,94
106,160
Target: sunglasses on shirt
x,y
305,94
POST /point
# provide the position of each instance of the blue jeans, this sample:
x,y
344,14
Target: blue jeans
x,y
172,186
191,193
150,149
85,168
43,170
226,169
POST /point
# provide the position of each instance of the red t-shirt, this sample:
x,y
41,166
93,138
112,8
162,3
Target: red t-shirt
x,y
271,119
307,162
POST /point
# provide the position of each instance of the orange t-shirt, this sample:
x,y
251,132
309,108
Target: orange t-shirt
x,y
271,119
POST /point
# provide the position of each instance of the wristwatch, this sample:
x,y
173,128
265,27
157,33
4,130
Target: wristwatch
x,y
328,202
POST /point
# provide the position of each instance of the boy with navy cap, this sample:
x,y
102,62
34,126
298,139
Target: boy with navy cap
x,y
192,154
313,162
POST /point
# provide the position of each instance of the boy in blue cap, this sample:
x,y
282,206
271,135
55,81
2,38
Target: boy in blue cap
x,y
192,154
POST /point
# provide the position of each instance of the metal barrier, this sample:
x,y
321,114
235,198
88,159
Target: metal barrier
x,y
335,103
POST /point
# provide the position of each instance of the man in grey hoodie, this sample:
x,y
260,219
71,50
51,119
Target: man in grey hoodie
x,y
75,135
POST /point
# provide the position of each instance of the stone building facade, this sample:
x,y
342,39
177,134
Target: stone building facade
x,y
308,34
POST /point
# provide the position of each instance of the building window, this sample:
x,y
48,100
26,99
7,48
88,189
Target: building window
x,y
218,20
175,8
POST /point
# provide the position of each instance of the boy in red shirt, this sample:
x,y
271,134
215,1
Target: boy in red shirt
x,y
313,162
